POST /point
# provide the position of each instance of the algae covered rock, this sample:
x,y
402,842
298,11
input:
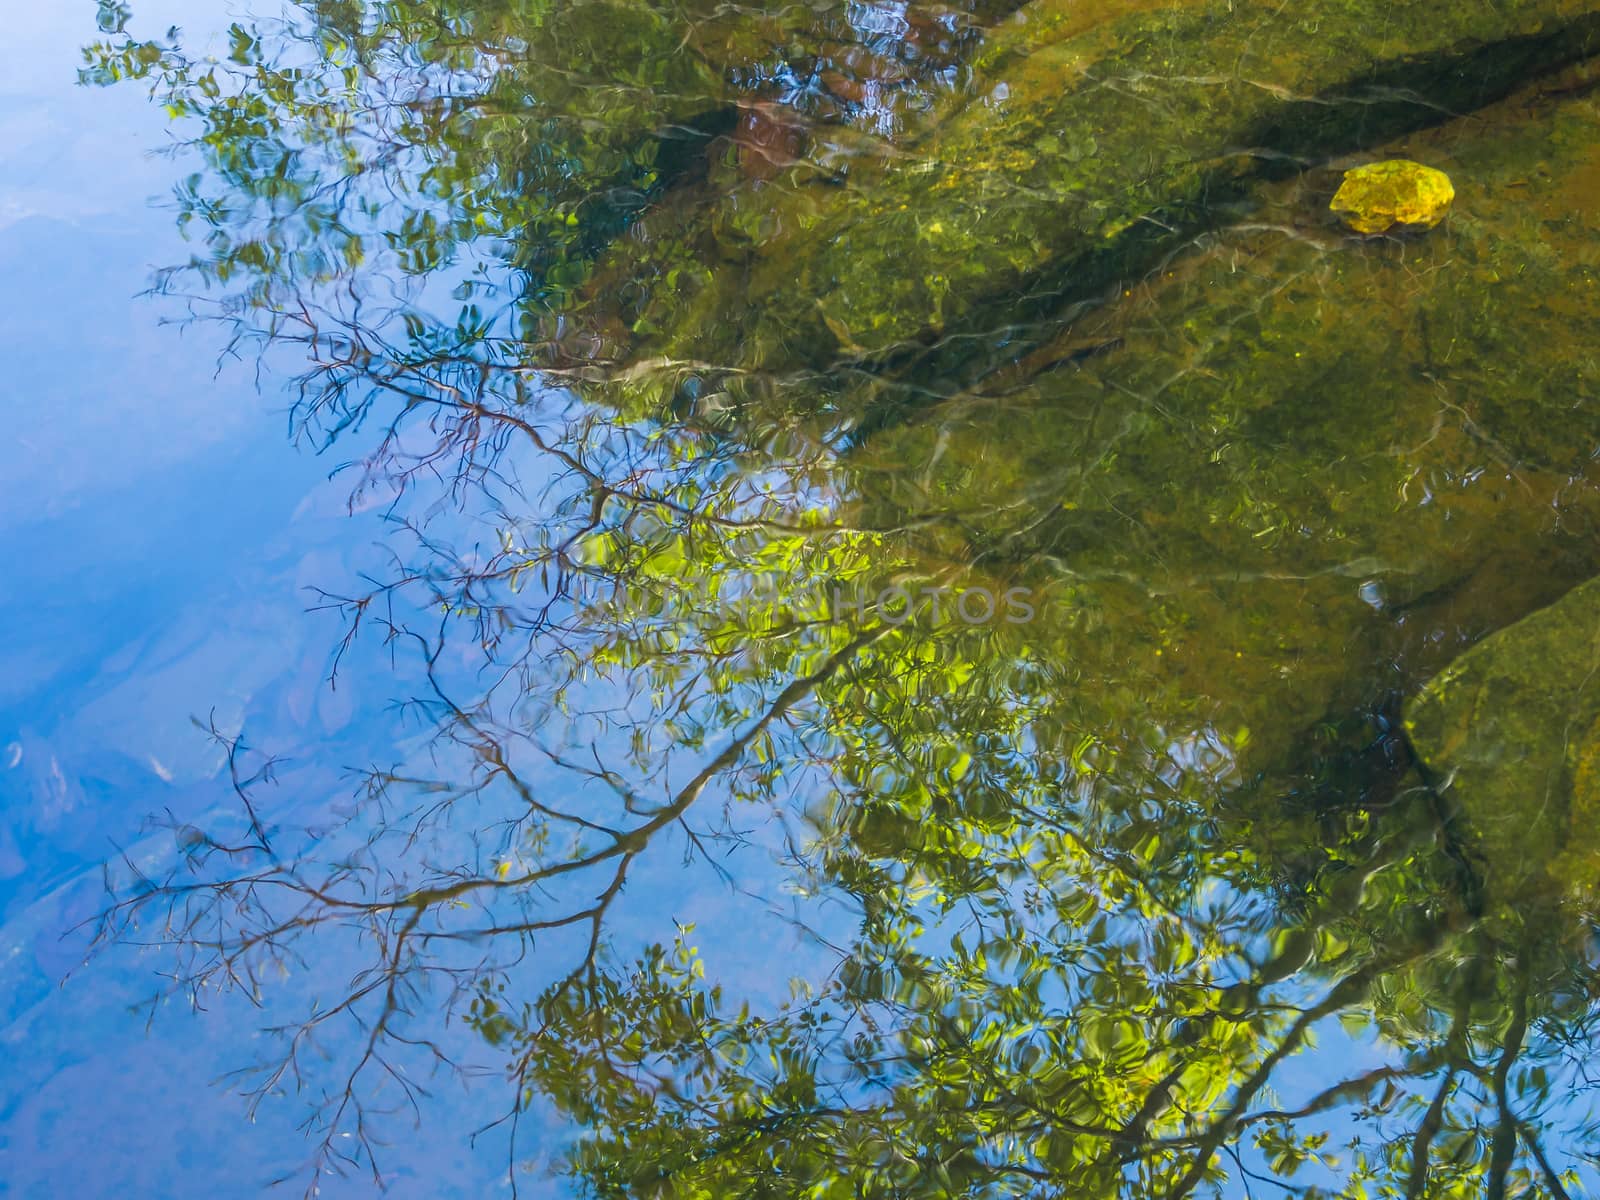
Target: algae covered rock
x,y
1510,733
1380,196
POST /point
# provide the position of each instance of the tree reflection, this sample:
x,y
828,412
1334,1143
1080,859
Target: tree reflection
x,y
1109,869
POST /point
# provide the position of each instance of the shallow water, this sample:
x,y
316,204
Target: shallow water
x,y
704,601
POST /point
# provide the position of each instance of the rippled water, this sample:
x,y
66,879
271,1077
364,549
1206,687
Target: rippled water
x,y
644,600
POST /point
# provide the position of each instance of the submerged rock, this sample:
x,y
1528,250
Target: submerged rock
x,y
1287,477
1075,160
1510,733
1381,196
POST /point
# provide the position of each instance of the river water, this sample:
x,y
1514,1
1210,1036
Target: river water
x,y
645,600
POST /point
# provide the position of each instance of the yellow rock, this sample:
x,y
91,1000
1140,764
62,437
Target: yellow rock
x,y
1380,196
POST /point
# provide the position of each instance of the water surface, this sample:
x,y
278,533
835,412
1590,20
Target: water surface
x,y
719,601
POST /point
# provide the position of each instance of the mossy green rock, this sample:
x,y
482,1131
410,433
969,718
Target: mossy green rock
x,y
1510,733
1381,196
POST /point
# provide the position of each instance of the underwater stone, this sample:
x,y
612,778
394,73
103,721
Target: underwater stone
x,y
1510,735
1102,152
1380,196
